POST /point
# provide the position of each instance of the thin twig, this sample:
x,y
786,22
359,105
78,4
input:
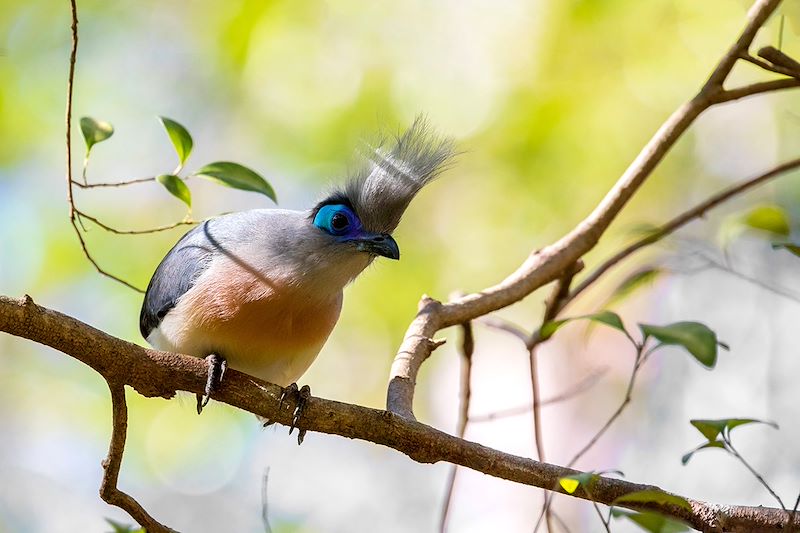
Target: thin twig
x,y
467,350
96,265
679,221
777,69
790,522
113,184
73,212
582,386
752,470
501,324
781,60
111,465
157,229
606,525
639,361
559,292
729,95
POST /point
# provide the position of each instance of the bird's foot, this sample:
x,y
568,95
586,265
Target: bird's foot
x,y
300,397
216,369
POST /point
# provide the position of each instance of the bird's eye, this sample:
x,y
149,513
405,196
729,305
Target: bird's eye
x,y
339,222
336,219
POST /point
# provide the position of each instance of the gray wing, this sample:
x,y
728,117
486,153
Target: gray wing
x,y
176,274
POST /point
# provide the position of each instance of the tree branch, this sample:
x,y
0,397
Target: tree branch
x,y
678,222
552,262
108,486
155,373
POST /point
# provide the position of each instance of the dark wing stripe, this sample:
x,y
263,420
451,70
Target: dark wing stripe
x,y
176,274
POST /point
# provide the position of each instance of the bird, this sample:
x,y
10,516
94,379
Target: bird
x,y
261,290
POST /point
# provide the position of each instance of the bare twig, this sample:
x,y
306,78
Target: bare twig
x,y
638,362
108,486
766,65
154,373
679,221
759,477
73,212
781,60
113,184
467,350
186,222
570,393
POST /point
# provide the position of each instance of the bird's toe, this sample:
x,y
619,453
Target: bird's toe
x,y
216,370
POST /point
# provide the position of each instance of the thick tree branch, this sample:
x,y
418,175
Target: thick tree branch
x,y
155,373
552,262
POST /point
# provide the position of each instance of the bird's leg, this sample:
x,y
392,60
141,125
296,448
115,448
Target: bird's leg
x,y
216,369
301,397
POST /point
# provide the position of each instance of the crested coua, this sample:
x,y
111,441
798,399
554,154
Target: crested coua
x,y
262,289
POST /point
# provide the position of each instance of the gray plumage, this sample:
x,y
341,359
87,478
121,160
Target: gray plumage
x,y
382,188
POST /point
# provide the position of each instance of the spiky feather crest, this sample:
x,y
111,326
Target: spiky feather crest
x,y
392,174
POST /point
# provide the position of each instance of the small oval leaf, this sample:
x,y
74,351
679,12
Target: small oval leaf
x,y
697,338
711,429
769,217
654,496
180,138
177,187
236,176
652,522
95,131
608,318
711,444
571,483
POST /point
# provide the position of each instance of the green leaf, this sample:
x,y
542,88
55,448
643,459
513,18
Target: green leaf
x,y
697,338
655,523
791,247
95,131
711,444
180,138
608,318
119,527
236,176
177,187
571,483
711,429
654,496
769,217
633,282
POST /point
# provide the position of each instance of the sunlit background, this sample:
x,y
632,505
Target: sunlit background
x,y
548,101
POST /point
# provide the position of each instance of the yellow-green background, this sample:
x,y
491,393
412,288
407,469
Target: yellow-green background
x,y
548,101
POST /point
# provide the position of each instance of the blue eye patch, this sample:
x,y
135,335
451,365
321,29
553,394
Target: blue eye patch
x,y
337,219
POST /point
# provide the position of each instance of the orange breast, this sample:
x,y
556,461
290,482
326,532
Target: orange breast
x,y
263,327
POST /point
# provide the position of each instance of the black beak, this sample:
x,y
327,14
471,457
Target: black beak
x,y
379,244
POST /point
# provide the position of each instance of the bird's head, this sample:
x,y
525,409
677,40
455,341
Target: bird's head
x,y
359,217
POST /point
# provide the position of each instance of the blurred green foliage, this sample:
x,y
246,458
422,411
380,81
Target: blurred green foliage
x,y
548,100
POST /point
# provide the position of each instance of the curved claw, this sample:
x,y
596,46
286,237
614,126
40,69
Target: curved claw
x,y
216,370
301,396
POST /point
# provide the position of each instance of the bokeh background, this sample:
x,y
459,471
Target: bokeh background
x,y
548,101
